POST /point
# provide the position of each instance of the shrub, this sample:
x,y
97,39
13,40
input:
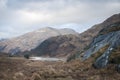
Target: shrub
x,y
26,56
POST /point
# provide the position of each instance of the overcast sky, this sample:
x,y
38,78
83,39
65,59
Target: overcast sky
x,y
20,16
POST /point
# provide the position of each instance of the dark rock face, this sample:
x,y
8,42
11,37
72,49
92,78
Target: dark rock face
x,y
110,37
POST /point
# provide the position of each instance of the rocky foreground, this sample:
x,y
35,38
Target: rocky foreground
x,y
23,69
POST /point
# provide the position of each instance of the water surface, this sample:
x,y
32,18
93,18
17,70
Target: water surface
x,y
47,59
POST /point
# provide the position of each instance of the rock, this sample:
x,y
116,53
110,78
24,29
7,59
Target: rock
x,y
111,38
99,36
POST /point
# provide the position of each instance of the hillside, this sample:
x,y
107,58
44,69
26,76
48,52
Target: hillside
x,y
104,48
89,36
110,37
60,46
31,40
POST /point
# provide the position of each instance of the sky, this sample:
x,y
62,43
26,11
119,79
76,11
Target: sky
x,y
21,16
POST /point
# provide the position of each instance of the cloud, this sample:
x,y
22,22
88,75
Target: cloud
x,y
27,15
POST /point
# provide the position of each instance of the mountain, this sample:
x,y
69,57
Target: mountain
x,y
55,43
108,40
69,45
105,47
60,46
89,36
31,40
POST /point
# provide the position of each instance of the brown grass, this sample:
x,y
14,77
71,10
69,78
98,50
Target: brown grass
x,y
113,28
22,69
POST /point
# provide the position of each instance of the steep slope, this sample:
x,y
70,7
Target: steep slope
x,y
110,37
60,46
88,36
31,40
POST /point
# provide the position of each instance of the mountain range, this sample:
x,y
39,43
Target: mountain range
x,y
31,40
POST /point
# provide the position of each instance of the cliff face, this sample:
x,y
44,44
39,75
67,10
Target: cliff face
x,y
31,40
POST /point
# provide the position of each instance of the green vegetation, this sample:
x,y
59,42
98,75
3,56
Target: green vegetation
x,y
11,55
27,56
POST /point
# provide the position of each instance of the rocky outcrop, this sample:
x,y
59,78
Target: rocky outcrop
x,y
31,40
110,35
89,36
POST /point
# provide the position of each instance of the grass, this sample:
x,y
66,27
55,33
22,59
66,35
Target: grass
x,y
23,69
